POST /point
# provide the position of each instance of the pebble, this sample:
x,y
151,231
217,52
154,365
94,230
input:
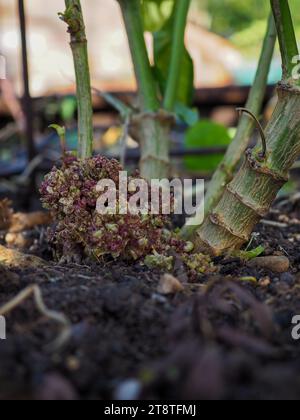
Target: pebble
x,y
169,285
277,264
265,282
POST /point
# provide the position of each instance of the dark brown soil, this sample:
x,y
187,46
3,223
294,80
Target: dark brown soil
x,y
222,338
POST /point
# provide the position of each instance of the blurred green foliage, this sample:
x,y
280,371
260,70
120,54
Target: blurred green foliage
x,y
158,18
156,13
205,133
231,16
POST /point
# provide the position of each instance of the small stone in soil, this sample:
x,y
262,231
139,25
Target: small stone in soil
x,y
275,264
265,282
169,285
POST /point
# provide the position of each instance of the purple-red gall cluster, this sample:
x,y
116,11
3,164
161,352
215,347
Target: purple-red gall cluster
x,y
70,194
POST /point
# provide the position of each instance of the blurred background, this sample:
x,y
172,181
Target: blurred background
x,y
223,37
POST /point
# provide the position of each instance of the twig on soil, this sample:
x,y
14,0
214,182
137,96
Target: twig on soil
x,y
58,317
293,200
81,276
274,224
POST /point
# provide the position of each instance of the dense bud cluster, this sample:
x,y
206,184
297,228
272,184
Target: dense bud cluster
x,y
70,193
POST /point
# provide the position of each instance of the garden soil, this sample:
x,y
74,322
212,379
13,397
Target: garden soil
x,y
227,335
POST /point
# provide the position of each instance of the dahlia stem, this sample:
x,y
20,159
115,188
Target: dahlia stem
x,y
286,36
180,20
132,15
151,127
236,149
73,17
251,193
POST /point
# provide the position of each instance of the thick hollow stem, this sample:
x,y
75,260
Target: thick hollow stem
x,y
286,36
131,10
153,133
249,196
181,13
234,153
74,19
152,126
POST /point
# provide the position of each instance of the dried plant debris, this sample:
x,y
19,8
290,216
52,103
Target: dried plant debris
x,y
12,258
50,314
18,240
26,221
20,222
6,213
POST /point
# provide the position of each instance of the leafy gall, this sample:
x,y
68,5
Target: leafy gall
x,y
70,193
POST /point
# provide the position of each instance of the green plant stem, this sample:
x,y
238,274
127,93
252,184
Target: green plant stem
x,y
131,10
286,36
252,191
153,132
74,19
227,168
180,19
254,188
151,127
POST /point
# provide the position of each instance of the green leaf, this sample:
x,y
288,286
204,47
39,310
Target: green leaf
x,y
249,255
68,108
162,55
205,134
188,115
156,13
61,132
